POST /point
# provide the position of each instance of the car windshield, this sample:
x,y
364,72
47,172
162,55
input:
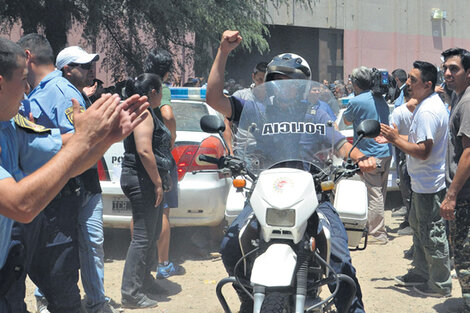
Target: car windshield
x,y
187,114
291,120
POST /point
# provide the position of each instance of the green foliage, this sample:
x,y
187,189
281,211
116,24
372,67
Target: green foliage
x,y
127,29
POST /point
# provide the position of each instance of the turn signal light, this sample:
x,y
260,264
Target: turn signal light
x,y
239,183
313,244
327,185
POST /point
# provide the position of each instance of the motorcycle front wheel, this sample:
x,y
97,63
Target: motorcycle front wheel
x,y
276,303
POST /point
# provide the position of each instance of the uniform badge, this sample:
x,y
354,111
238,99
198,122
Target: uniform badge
x,y
69,113
313,111
29,126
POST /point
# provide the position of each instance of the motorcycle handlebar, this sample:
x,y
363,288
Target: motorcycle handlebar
x,y
236,165
208,159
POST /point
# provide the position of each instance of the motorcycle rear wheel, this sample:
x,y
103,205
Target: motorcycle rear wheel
x,y
276,303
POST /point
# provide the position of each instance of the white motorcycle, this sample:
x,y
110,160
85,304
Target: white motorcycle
x,y
285,152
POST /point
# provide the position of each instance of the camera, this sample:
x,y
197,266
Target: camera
x,y
381,82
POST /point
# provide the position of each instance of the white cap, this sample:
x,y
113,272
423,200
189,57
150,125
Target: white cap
x,y
74,54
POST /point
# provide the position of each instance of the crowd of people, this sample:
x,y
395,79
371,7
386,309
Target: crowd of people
x,y
428,130
57,120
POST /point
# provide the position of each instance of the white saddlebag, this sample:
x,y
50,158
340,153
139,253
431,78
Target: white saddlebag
x,y
351,204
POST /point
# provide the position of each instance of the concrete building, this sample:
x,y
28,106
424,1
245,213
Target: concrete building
x,y
339,35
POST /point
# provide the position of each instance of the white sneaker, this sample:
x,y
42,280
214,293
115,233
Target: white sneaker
x,y
399,212
381,240
41,305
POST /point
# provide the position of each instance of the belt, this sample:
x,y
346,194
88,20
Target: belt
x,y
71,189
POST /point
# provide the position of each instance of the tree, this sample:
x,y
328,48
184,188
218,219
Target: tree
x,y
127,29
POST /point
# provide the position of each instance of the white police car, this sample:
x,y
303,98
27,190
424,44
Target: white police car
x,y
201,196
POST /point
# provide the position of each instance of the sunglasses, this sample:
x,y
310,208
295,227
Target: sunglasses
x,y
86,66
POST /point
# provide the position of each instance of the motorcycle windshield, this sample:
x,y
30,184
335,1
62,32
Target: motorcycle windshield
x,y
289,120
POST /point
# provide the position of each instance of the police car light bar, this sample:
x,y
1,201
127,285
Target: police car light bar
x,y
188,93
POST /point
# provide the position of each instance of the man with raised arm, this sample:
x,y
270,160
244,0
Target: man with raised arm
x,y
284,66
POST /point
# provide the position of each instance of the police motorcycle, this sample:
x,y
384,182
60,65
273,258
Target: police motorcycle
x,y
284,149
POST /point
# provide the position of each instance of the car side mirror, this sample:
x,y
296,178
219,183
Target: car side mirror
x,y
368,129
212,124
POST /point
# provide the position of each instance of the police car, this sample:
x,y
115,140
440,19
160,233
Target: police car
x,y
201,195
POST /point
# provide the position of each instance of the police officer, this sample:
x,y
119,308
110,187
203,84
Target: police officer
x,y
285,66
80,202
51,240
24,197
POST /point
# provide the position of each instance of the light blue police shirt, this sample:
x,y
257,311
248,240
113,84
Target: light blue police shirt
x,y
401,99
30,148
51,102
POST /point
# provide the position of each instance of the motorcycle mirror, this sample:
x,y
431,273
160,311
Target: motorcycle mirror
x,y
368,129
365,129
212,124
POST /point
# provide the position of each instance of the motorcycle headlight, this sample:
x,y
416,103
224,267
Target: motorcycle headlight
x,y
284,218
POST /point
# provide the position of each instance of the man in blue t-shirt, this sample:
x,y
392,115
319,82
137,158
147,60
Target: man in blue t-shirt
x,y
371,105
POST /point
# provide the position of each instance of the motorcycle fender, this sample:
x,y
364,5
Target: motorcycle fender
x,y
275,267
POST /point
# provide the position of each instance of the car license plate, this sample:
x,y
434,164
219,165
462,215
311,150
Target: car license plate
x,y
121,205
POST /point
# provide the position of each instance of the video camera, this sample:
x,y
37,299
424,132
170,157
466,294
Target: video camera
x,y
381,83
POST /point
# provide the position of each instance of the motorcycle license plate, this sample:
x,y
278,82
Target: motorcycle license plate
x,y
121,205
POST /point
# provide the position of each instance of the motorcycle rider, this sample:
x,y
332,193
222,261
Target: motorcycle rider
x,y
285,66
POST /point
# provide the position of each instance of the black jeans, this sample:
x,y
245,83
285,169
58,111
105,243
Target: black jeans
x,y
147,227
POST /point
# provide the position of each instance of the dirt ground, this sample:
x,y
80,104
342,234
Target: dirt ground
x,y
194,292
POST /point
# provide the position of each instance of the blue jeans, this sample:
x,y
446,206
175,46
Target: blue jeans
x,y
90,239
340,258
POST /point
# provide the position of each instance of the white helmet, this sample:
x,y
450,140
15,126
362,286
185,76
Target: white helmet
x,y
289,64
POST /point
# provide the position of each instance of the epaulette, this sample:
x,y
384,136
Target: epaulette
x,y
29,126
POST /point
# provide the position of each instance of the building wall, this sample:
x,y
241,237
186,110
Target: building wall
x,y
385,34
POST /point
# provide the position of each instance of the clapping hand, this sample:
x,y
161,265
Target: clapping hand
x,y
388,133
132,114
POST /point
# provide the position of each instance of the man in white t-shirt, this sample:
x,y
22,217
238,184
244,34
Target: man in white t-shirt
x,y
425,148
401,119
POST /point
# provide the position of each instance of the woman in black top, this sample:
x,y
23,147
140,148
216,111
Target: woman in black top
x,y
147,160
